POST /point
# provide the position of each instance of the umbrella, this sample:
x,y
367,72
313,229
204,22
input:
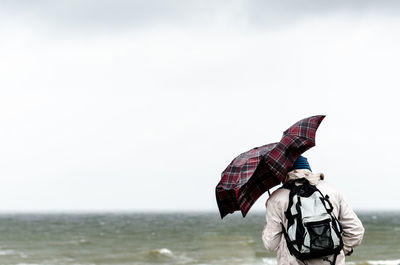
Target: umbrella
x,y
254,172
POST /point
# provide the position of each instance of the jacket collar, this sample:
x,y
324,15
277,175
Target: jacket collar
x,y
296,174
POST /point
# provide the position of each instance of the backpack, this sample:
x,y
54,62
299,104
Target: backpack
x,y
313,230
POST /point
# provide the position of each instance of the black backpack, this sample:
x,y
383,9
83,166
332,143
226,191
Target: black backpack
x,y
313,230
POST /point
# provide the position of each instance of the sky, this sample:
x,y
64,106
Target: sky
x,y
140,105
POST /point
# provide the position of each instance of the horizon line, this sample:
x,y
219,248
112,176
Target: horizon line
x,y
160,211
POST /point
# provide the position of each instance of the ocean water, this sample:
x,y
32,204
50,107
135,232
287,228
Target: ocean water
x,y
166,238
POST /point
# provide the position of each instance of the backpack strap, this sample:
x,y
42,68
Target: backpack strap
x,y
295,191
334,259
289,242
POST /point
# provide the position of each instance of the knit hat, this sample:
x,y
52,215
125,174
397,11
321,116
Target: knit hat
x,y
301,163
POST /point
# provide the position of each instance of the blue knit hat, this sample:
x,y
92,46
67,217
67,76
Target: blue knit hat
x,y
301,163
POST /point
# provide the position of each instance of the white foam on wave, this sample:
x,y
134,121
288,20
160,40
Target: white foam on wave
x,y
163,252
376,262
167,255
384,262
7,252
270,261
273,261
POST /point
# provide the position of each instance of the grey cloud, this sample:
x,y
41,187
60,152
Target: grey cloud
x,y
121,14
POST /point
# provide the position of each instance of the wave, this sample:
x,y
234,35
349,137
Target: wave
x,y
375,262
57,261
273,261
162,252
11,252
166,256
7,252
270,261
28,264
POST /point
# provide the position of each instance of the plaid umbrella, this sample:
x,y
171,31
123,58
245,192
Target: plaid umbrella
x,y
254,172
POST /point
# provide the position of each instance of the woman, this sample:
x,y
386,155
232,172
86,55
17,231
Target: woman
x,y
277,204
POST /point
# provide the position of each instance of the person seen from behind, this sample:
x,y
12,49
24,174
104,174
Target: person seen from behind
x,y
331,226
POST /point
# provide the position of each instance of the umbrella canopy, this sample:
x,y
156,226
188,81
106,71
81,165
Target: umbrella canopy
x,y
254,172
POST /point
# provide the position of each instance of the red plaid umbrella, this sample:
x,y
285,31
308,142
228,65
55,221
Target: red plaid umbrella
x,y
254,172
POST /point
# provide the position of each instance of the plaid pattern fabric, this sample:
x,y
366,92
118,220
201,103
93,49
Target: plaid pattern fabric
x,y
254,172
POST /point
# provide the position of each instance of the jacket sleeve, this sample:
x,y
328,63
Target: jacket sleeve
x,y
272,232
353,230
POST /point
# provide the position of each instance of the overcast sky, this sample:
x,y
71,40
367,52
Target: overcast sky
x,y
140,105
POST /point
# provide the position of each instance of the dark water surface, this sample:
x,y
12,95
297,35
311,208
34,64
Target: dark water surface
x,y
166,238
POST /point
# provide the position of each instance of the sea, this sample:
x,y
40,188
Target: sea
x,y
198,238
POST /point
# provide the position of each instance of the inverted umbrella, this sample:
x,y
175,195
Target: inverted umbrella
x,y
254,172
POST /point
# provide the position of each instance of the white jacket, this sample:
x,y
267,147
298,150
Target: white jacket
x,y
277,204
